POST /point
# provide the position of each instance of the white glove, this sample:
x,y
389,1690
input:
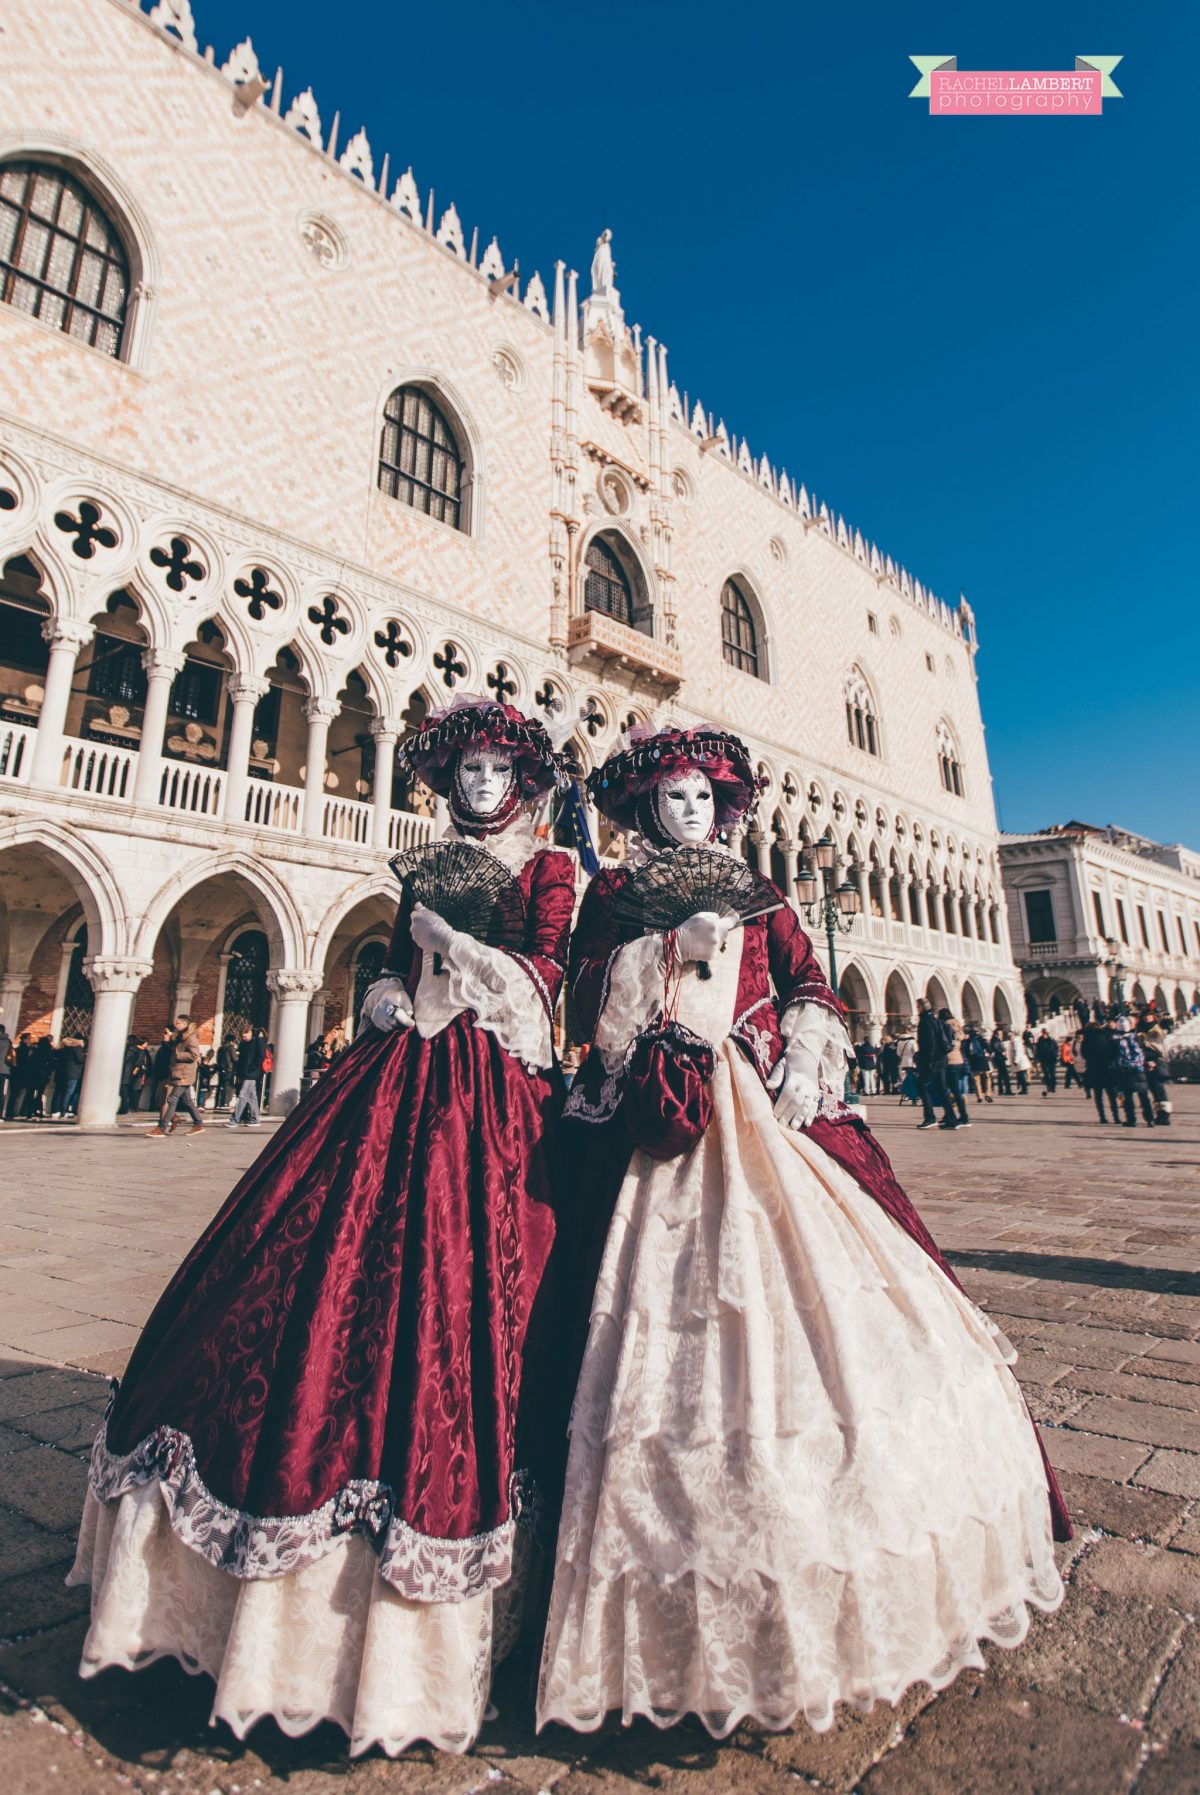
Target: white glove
x,y
703,935
387,1005
431,932
794,1079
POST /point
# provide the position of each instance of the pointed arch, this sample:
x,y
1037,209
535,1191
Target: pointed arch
x,y
429,451
745,638
863,729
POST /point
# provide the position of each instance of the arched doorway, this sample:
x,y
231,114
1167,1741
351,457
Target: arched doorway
x,y
972,1008
935,994
852,989
73,1012
356,940
1001,1012
898,1002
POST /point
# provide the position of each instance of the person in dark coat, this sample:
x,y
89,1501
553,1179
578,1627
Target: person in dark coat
x,y
181,1079
226,1071
998,1054
135,1069
41,1071
1158,1080
68,1074
21,1070
889,1068
1099,1048
933,1048
161,1068
1045,1052
7,1059
248,1071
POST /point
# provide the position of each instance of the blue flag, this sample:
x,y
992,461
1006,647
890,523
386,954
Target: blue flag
x,y
571,810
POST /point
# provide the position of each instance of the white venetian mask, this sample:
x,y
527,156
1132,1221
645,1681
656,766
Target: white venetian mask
x,y
685,806
485,777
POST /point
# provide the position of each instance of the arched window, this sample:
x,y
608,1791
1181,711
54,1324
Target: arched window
x,y
949,765
61,258
862,723
419,458
606,588
739,636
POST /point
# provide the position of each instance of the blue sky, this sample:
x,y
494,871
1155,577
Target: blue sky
x,y
975,338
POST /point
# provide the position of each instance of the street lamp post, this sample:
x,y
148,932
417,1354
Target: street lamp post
x,y
1117,970
825,903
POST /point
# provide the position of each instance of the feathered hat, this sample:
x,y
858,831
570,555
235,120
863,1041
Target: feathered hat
x,y
432,751
650,756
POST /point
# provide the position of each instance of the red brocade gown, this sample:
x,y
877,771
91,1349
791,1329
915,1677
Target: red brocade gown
x,y
800,1471
308,1485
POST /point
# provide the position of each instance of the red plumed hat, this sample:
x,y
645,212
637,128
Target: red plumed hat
x,y
432,751
625,778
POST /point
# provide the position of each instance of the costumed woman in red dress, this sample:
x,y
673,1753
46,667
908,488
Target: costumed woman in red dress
x,y
307,1484
801,1471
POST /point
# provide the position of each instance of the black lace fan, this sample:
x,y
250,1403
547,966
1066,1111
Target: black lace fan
x,y
665,891
472,890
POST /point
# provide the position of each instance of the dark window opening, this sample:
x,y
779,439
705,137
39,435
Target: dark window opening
x,y
419,459
739,638
1039,916
60,256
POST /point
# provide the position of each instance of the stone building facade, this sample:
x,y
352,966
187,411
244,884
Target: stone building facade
x,y
1103,915
288,458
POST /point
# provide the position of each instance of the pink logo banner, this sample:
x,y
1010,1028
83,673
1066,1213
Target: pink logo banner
x,y
1016,93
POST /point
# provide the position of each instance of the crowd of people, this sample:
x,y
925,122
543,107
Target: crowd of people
x,y
1116,1059
176,1077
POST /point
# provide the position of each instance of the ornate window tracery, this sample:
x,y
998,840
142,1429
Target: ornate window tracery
x,y
420,461
739,633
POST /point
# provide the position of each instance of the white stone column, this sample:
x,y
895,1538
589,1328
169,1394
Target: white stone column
x,y
161,664
244,694
115,983
66,636
875,1028
386,731
320,713
293,990
762,851
12,990
441,818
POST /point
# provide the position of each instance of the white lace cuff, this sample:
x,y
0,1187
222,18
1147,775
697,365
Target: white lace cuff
x,y
504,998
387,1004
635,991
825,1036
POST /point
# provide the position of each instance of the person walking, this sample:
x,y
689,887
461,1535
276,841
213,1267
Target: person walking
x,y
181,1077
1066,1056
907,1054
248,1071
933,1046
867,1055
1046,1053
979,1065
1019,1063
226,1073
957,1076
998,1054
1130,1063
161,1068
205,1072
1157,1077
889,1068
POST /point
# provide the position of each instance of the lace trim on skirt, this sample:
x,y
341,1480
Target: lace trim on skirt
x,y
417,1565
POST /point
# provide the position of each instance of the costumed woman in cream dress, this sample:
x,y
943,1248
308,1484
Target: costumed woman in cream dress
x,y
307,1485
801,1471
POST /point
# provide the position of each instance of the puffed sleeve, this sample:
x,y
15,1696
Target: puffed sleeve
x,y
618,983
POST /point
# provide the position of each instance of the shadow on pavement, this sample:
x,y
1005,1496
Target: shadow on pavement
x,y
1113,1273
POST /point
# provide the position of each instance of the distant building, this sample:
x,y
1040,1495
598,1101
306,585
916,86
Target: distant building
x,y
1093,908
287,459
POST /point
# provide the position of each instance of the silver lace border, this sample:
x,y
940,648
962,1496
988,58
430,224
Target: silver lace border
x,y
418,1566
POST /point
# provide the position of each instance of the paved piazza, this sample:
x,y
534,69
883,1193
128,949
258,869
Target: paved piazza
x,y
1081,1243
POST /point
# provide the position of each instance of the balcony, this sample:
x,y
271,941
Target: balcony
x,y
596,637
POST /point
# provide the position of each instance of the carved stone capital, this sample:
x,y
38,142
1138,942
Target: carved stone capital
x,y
165,662
291,984
321,710
387,726
116,975
244,688
67,632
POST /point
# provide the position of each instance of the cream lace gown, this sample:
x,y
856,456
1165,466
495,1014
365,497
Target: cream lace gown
x,y
801,1470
